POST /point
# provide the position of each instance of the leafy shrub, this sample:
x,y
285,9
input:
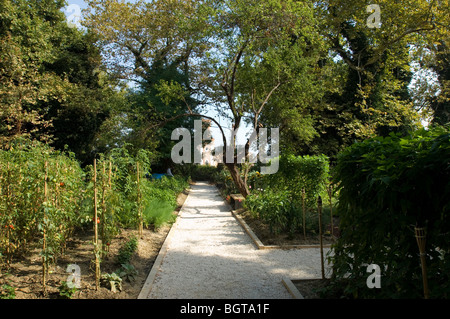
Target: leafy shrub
x,y
127,251
65,292
128,272
277,199
388,186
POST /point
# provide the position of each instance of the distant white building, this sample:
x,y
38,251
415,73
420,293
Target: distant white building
x,y
208,157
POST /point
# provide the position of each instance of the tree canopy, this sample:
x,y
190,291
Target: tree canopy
x,y
326,73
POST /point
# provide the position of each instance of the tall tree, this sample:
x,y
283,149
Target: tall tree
x,y
440,104
26,31
151,44
51,84
264,69
248,58
375,99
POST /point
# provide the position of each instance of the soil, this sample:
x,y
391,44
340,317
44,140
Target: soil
x,y
25,273
262,231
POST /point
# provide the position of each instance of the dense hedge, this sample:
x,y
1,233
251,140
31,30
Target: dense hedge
x,y
387,187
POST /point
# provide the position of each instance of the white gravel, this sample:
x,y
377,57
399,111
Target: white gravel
x,y
210,256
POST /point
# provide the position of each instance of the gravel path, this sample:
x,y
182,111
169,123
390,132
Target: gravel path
x,y
210,256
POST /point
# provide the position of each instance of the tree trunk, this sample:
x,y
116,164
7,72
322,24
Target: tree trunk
x,y
237,179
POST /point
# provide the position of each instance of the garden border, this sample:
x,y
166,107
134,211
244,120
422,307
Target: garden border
x,y
295,293
258,243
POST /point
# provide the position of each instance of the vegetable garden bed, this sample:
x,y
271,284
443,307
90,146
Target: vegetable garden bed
x,y
24,274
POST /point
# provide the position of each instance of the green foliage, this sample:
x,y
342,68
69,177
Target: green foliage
x,y
159,212
51,84
277,199
127,250
65,291
387,186
111,281
7,292
198,172
127,271
25,211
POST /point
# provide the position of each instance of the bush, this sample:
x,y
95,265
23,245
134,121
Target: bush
x,y
127,251
277,199
388,186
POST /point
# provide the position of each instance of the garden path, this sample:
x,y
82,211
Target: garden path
x,y
207,255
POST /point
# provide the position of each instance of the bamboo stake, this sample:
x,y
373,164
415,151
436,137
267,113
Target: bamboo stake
x,y
103,214
96,252
304,213
109,188
319,208
109,175
8,208
420,233
44,239
141,226
330,195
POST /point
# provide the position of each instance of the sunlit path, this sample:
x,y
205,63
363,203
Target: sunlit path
x,y
210,256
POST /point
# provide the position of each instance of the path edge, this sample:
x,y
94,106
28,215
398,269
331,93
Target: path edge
x,y
295,293
148,285
258,243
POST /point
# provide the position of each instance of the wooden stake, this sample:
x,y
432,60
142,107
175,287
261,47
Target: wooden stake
x,y
304,213
330,195
319,206
8,208
44,239
96,252
103,214
109,175
420,233
141,226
